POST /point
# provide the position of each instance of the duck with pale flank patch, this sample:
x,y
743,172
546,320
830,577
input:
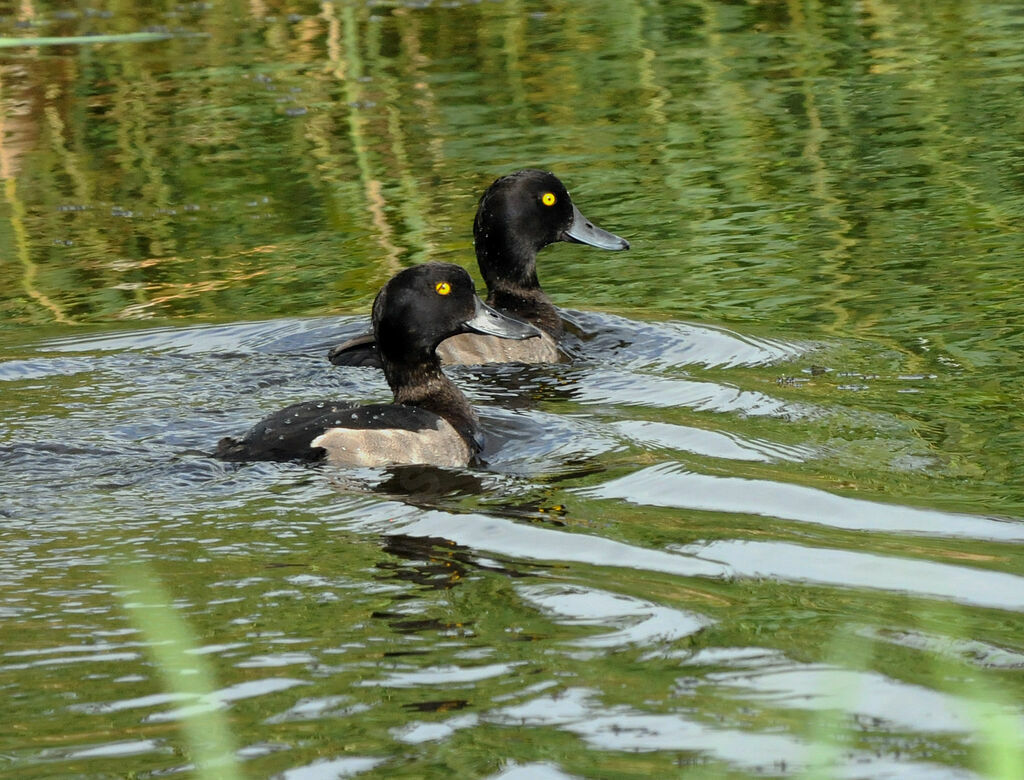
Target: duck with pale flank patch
x,y
518,215
430,421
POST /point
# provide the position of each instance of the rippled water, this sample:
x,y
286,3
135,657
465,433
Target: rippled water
x,y
767,521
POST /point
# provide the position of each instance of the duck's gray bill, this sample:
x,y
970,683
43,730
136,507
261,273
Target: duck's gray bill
x,y
583,231
492,323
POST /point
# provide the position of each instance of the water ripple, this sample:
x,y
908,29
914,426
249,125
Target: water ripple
x,y
851,569
518,541
713,444
635,621
332,768
899,705
619,727
668,485
669,344
447,675
607,386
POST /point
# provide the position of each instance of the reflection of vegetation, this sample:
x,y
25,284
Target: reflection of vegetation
x,y
20,241
72,40
336,139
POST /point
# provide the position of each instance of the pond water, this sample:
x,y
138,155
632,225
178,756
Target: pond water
x,y
768,521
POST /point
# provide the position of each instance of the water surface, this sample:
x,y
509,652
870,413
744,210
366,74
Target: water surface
x,y
769,519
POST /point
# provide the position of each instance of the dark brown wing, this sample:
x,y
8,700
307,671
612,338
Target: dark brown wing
x,y
360,351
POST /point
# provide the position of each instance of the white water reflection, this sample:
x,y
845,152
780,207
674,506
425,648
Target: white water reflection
x,y
418,732
771,679
636,621
74,659
315,708
850,569
116,749
278,335
714,444
860,694
138,702
624,388
42,368
668,485
636,343
441,675
331,768
276,659
224,696
619,727
727,558
515,540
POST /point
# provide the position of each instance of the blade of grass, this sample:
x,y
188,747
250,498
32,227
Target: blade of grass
x,y
172,645
996,717
830,729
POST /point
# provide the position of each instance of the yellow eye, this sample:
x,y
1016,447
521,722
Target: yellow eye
x,y
548,199
443,288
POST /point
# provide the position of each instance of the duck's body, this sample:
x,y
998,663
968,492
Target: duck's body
x,y
430,421
518,215
350,435
473,350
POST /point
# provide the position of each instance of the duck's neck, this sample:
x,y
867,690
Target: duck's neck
x,y
509,268
534,306
422,383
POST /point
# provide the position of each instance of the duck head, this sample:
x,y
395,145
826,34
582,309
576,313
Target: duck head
x,y
423,305
519,215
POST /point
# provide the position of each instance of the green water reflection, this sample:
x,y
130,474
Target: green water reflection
x,y
846,174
